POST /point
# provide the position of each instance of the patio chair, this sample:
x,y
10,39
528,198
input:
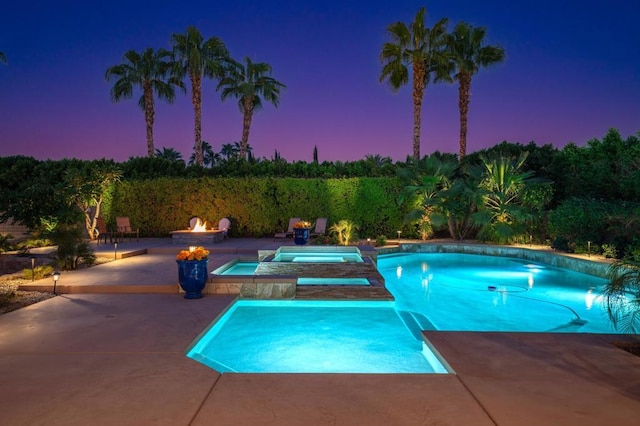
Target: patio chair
x,y
289,232
102,231
224,225
123,227
320,228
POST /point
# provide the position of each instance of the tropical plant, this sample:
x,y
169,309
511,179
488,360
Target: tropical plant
x,y
150,71
169,154
250,83
72,249
345,230
423,49
502,216
423,182
621,295
209,157
198,58
228,151
468,54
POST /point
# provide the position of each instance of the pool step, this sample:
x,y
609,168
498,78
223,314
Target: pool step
x,y
415,322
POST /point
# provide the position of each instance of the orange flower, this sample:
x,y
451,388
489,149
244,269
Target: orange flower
x,y
302,224
197,253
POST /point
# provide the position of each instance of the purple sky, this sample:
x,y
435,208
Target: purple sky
x,y
571,73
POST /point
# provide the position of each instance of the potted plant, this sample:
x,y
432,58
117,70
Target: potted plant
x,y
192,271
301,232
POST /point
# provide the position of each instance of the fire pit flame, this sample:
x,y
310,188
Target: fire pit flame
x,y
199,226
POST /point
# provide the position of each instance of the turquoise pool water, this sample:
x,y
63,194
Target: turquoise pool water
x,y
453,292
464,292
313,337
240,268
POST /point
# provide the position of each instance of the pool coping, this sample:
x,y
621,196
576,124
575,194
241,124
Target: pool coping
x,y
594,266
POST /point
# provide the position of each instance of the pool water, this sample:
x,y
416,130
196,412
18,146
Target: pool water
x,y
452,292
313,337
464,292
239,268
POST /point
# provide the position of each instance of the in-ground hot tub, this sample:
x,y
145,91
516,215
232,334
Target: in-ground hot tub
x,y
320,254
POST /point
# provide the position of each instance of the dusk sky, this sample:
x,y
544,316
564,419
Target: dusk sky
x,y
572,71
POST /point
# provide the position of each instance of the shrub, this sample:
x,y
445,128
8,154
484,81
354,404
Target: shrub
x,y
345,231
39,272
7,291
381,240
609,251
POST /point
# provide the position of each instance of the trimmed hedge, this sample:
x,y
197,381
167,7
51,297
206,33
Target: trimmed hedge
x,y
258,206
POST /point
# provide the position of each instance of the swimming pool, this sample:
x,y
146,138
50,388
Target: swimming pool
x,y
466,292
314,337
433,291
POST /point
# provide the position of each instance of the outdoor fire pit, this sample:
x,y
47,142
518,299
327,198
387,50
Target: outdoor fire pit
x,y
198,235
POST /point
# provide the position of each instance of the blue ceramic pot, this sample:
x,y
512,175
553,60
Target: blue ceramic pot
x,y
300,236
192,276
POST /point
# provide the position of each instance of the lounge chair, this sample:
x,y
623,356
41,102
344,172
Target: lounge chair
x,y
123,226
320,228
102,231
224,225
289,232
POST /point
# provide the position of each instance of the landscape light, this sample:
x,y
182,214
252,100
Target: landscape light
x,y
33,265
56,277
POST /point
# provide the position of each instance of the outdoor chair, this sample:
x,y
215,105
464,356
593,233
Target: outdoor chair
x,y
123,227
289,232
320,228
224,225
102,231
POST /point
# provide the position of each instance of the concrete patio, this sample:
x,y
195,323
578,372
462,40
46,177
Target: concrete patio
x,y
118,359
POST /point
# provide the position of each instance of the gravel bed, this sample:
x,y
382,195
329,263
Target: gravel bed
x,y
22,298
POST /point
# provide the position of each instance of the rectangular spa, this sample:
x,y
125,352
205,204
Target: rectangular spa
x,y
314,337
323,254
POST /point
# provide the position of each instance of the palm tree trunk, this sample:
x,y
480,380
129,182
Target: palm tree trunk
x,y
418,95
464,88
246,126
148,116
196,99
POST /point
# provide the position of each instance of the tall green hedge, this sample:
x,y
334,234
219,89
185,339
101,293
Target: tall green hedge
x,y
258,206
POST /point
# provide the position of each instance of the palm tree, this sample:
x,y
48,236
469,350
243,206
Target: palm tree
x,y
622,295
198,58
250,83
169,154
209,157
502,214
423,49
151,71
468,54
228,151
3,58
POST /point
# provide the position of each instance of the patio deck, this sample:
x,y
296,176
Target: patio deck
x,y
119,359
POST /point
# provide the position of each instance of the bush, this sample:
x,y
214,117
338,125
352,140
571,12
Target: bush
x,y
39,272
609,251
7,291
381,240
